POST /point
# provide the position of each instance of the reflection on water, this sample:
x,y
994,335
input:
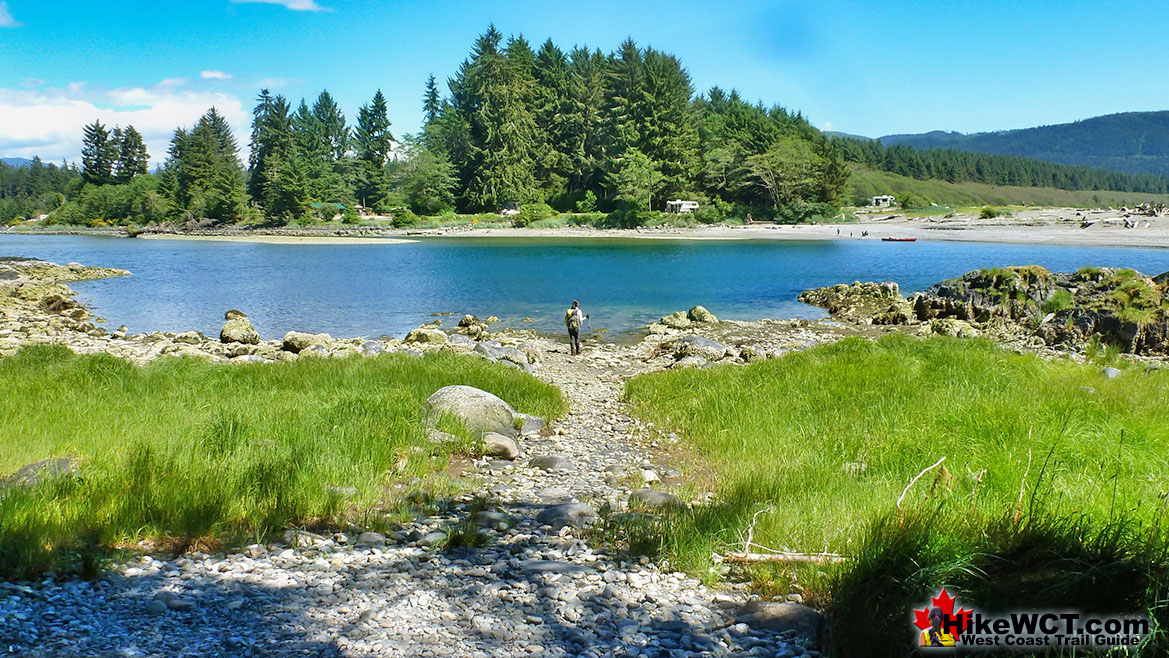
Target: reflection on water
x,y
362,290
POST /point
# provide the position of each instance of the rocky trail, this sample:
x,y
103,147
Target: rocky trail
x,y
541,586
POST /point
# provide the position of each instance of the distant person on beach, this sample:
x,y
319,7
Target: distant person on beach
x,y
749,219
573,319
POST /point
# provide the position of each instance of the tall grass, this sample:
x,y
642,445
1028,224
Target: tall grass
x,y
189,450
828,439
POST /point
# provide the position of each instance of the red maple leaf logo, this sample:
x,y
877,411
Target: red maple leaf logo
x,y
921,618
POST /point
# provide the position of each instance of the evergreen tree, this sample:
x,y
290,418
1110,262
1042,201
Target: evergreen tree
x,y
98,155
373,142
430,101
334,132
133,159
203,173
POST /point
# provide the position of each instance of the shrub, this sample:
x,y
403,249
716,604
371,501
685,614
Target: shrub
x,y
404,218
533,212
914,202
990,212
588,203
350,216
1059,300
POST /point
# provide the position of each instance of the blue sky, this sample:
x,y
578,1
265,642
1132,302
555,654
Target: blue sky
x,y
863,67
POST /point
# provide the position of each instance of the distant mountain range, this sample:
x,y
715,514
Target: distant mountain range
x,y
1131,142
16,162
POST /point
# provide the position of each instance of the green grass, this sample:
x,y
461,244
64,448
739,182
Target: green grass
x,y
864,183
186,450
826,440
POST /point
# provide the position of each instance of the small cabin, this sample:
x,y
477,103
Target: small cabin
x,y
883,201
681,207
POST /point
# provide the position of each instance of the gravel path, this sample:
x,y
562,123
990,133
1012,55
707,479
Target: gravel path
x,y
537,589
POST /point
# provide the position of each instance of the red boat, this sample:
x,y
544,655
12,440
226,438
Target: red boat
x,y
898,239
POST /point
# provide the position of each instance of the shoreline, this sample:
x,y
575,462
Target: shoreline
x,y
1068,227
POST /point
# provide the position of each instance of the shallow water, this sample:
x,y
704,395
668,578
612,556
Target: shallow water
x,y
364,290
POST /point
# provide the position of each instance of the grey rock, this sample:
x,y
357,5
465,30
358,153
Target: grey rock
x,y
576,515
425,335
554,495
234,314
318,351
1111,373
651,499
295,341
700,314
35,473
441,437
498,445
249,358
556,567
239,330
677,320
689,362
180,605
490,519
479,410
189,338
371,348
783,617
460,341
371,539
432,539
156,607
694,345
490,349
530,425
551,462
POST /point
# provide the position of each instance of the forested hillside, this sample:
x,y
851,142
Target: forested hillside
x,y
32,190
1133,142
956,166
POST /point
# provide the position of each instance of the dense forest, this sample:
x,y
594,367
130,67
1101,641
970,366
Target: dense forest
x,y
547,130
542,130
965,167
1132,142
33,190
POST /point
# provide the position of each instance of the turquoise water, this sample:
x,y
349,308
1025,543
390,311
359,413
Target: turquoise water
x,y
363,290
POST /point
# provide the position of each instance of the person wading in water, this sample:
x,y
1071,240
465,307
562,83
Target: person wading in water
x,y
573,320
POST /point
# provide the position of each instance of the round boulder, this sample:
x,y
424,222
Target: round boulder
x,y
424,335
295,341
234,314
239,330
709,349
700,314
498,445
677,320
479,410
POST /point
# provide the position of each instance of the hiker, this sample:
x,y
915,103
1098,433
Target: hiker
x,y
573,320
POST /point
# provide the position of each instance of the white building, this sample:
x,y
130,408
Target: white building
x,y
883,201
681,207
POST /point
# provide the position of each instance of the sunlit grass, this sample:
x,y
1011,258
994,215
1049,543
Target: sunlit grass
x,y
187,449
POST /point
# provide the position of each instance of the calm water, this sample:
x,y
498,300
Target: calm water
x,y
362,290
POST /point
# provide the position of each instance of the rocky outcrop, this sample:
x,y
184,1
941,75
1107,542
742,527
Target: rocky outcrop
x,y
693,345
676,320
862,303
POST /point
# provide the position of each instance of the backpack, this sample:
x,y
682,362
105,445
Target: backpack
x,y
571,320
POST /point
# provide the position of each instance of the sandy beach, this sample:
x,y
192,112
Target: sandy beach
x,y
278,239
1041,226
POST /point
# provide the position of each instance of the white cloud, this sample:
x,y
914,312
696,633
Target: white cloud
x,y
215,75
6,19
295,5
48,122
173,82
827,125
